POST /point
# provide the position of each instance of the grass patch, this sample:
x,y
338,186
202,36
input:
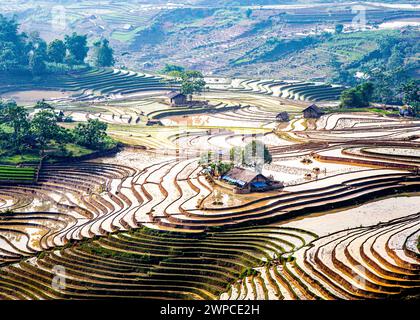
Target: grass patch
x,y
76,150
20,158
126,36
374,110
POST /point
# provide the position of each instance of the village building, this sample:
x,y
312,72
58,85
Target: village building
x,y
177,99
406,111
246,180
153,122
312,112
282,117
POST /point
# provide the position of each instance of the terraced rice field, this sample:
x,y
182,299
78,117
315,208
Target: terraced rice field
x,y
144,223
90,83
295,90
14,174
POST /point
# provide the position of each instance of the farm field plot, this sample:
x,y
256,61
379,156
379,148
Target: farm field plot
x,y
233,194
136,217
209,150
15,174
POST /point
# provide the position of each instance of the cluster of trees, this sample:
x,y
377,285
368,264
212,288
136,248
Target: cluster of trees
x,y
192,81
254,154
388,67
361,95
23,53
21,133
411,95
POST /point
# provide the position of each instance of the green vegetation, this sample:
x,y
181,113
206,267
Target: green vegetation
x,y
57,51
127,36
339,28
191,81
367,109
25,139
387,58
274,48
93,135
103,54
248,272
357,97
255,154
77,48
388,65
362,94
411,97
171,68
24,54
8,173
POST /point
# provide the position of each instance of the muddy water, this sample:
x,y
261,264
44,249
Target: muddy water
x,y
367,214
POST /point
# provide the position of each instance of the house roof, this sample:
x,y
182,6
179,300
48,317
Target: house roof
x,y
240,175
314,108
174,94
283,115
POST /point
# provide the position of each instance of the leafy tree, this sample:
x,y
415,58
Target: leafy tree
x,y
37,64
411,96
191,81
77,47
44,129
248,13
103,55
56,51
339,28
256,153
366,91
350,98
92,134
17,118
359,96
172,67
43,105
37,54
236,155
13,46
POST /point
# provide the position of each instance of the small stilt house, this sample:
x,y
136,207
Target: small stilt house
x,y
312,112
245,181
282,117
176,98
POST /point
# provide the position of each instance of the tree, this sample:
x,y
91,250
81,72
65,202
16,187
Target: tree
x,y
192,81
366,91
256,152
37,54
350,98
103,55
17,117
44,128
41,104
339,28
13,47
77,47
91,134
359,96
248,13
172,67
236,155
37,64
56,51
411,96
